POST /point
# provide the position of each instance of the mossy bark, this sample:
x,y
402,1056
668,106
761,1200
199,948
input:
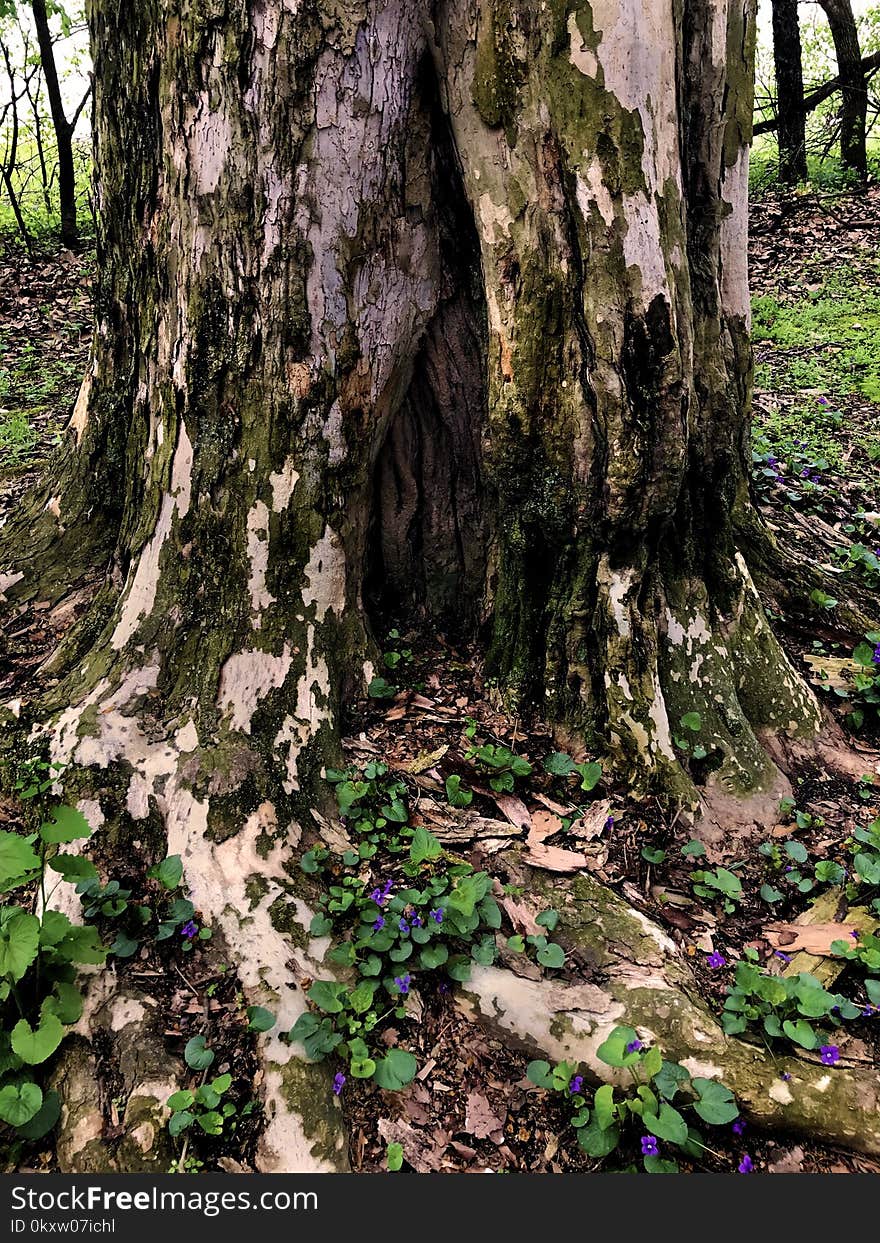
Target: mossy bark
x,y
636,976
439,306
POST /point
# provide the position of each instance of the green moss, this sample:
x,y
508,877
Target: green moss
x,y
306,1089
283,916
498,74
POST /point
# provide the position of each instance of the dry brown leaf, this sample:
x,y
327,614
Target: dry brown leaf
x,y
514,809
554,858
811,938
592,823
419,1149
422,762
552,805
521,917
480,1119
544,825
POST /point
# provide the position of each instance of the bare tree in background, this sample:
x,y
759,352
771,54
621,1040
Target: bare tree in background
x,y
853,84
791,117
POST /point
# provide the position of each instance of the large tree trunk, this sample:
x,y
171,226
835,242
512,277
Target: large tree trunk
x,y
791,117
437,307
853,85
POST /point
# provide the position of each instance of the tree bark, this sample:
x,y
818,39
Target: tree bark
x,y
437,307
63,128
790,115
853,86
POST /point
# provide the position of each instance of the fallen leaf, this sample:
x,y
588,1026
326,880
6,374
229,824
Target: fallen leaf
x,y
515,810
544,825
811,938
480,1119
554,858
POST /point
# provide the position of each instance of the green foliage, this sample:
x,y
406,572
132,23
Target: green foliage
x,y
164,912
782,1007
503,765
394,1157
205,1108
413,912
457,794
559,764
609,1118
720,884
865,694
38,959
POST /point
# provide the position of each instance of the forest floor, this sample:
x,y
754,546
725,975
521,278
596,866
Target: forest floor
x,y
816,455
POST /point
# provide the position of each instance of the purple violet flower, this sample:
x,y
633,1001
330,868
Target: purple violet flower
x,y
634,1046
782,954
379,924
415,922
785,1076
649,1146
609,823
576,1084
403,982
403,925
738,1127
745,1166
715,960
830,1054
189,930
437,916
338,1083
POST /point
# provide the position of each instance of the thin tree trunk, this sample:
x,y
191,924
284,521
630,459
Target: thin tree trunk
x,y
63,128
853,87
791,126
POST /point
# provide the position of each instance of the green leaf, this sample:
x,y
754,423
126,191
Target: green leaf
x,y
19,941
590,775
604,1109
668,1124
796,851
548,919
20,1102
716,1104
168,872
320,926
260,1019
395,1070
872,988
180,1100
43,1120
66,1003
670,1078
652,1061
17,859
73,867
196,1053
327,995
863,654
380,689
180,1121
597,1142
801,1033
222,1084
65,824
660,1165
551,955
433,956
613,1050
539,1073
456,794
559,764
211,1122
692,721
770,895
516,943
35,1045
652,855
424,846
394,1157
693,849
124,946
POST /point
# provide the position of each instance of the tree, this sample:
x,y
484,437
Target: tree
x,y
853,85
791,120
64,128
441,310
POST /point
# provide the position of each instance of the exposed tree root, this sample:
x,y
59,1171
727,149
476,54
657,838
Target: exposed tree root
x,y
642,980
